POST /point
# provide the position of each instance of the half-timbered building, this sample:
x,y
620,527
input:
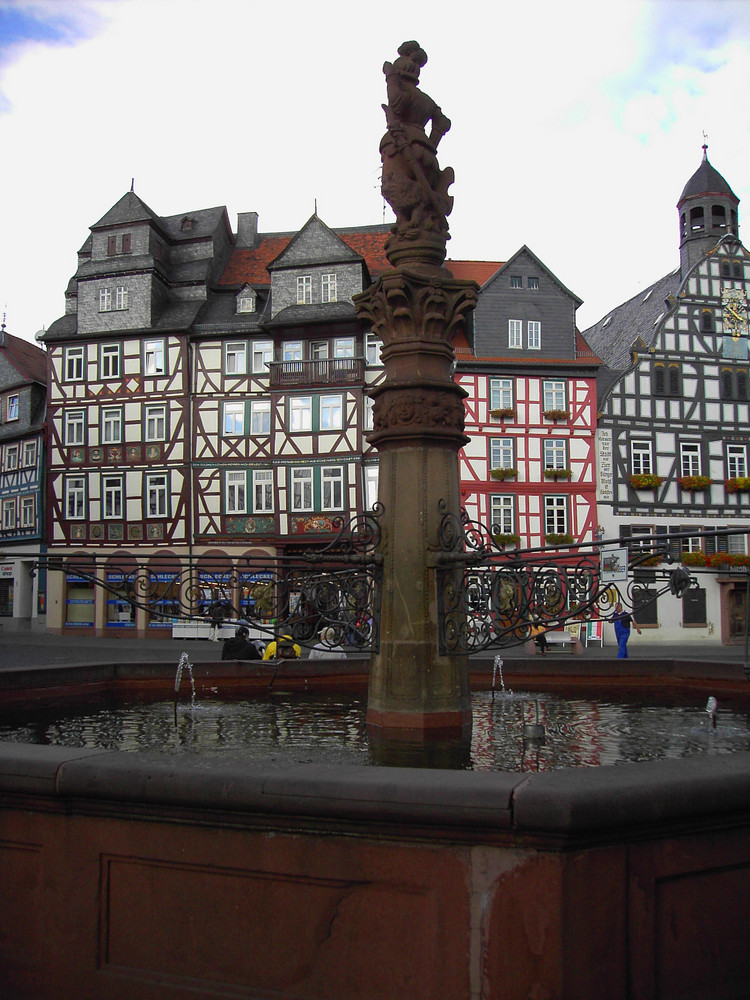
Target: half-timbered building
x,y
23,393
673,434
529,469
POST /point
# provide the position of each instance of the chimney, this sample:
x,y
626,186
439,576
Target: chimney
x,y
247,230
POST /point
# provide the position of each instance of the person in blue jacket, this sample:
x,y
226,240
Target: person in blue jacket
x,y
622,621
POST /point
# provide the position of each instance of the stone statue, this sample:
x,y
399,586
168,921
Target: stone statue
x,y
413,184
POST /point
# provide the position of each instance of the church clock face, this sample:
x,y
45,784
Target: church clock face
x,y
734,310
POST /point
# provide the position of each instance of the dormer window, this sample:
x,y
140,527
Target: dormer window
x,y
112,244
516,281
246,301
187,224
304,290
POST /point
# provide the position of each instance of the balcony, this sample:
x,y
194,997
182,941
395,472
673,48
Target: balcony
x,y
316,371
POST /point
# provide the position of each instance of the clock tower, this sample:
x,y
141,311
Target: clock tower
x,y
708,211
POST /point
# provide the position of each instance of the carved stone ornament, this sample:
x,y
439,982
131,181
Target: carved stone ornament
x,y
404,306
419,408
412,182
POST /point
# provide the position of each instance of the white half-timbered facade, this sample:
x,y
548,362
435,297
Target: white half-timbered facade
x,y
673,439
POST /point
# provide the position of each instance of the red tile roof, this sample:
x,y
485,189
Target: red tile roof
x,y
29,360
473,270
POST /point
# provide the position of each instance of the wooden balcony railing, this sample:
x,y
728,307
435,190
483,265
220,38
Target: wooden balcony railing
x,y
316,371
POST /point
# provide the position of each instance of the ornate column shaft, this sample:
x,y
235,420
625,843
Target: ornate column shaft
x,y
418,431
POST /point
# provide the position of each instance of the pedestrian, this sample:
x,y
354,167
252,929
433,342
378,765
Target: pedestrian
x,y
327,648
282,648
239,646
622,621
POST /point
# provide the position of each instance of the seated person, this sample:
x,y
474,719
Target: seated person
x,y
282,648
327,648
239,646
537,634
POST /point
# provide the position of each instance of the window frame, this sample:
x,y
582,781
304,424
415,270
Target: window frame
x,y
122,298
556,514
260,409
373,347
74,489
111,420
331,405
110,361
261,355
233,418
344,348
554,394
690,458
74,361
112,496
304,290
515,334
235,491
299,409
555,453
155,348
12,407
641,457
11,457
332,479
105,300
502,452
534,334
502,513
328,287
235,350
301,489
154,413
736,459
10,514
156,488
498,400
28,503
74,420
30,453
263,491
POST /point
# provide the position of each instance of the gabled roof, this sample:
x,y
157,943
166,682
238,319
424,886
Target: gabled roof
x,y
28,360
525,251
130,208
314,243
250,265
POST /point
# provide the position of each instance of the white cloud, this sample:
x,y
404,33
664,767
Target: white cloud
x,y
575,126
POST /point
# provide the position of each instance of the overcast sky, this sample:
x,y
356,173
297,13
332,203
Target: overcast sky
x,y
575,125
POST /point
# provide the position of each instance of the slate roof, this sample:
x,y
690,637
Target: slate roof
x,y
297,315
706,181
613,336
28,360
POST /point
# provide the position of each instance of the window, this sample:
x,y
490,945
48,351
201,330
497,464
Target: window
x,y
111,246
153,357
156,494
332,487
555,454
75,492
501,453
246,302
533,284
515,333
554,395
292,350
555,515
11,457
105,299
73,364
343,347
301,489
236,492
736,461
501,394
109,361
262,354
534,335
328,288
371,475
234,418
263,491
319,350
112,496
707,320
503,514
11,407
304,290
155,420
235,358
28,512
75,424
516,281
300,413
330,412
260,416
9,515
690,459
125,243
368,420
640,458
121,297
29,453
111,425
373,347
734,383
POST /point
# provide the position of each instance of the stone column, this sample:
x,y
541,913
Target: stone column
x,y
415,691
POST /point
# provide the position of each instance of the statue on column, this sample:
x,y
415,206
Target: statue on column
x,y
413,184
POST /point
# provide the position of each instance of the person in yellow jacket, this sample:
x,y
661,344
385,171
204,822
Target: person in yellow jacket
x,y
282,648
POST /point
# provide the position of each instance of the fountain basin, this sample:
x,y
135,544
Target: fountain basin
x,y
165,877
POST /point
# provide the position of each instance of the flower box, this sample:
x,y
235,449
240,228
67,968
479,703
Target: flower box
x,y
556,414
557,473
502,539
739,484
716,560
503,473
694,482
555,539
504,413
645,481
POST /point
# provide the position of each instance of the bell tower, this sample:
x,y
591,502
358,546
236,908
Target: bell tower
x,y
707,210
